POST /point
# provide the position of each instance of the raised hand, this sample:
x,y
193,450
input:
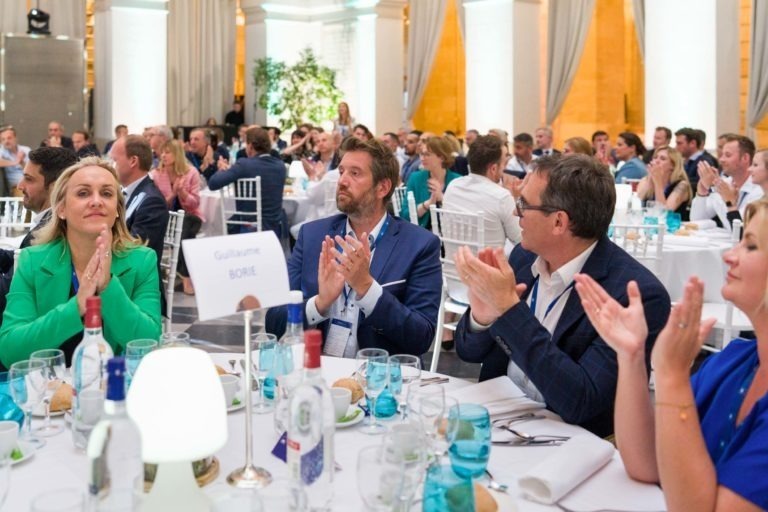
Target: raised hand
x,y
436,189
104,253
88,282
624,329
221,165
493,288
727,191
680,341
707,176
354,263
330,283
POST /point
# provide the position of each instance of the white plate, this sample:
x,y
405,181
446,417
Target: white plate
x,y
27,451
233,408
355,421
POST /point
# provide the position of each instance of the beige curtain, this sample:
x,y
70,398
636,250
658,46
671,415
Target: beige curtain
x,y
638,9
757,97
13,16
201,60
425,27
67,16
568,25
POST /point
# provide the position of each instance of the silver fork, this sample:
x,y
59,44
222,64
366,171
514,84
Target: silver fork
x,y
532,438
494,485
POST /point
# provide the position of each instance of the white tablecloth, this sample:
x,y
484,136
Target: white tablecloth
x,y
295,206
679,262
58,465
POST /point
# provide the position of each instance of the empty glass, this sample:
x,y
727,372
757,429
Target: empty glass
x,y
426,405
373,376
264,362
403,370
55,367
386,478
135,351
174,339
471,445
27,383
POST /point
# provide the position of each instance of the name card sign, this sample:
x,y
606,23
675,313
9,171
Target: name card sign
x,y
236,273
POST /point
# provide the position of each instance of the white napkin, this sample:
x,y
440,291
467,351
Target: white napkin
x,y
499,396
557,475
702,224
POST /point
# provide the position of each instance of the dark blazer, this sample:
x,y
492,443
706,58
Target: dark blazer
x,y
406,263
574,369
147,218
272,173
691,167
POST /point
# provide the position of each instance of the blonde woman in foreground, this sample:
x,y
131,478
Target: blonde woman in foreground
x,y
705,439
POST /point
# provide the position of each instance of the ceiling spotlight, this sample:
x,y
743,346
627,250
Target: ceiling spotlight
x,y
38,22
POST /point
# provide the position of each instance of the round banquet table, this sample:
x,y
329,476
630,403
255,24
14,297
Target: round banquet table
x,y
296,207
58,465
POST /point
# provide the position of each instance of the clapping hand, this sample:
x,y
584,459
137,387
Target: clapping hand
x,y
659,176
514,184
354,263
624,329
208,158
707,176
329,281
727,191
104,252
222,164
492,286
436,190
680,341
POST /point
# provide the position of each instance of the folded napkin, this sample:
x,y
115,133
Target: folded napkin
x,y
701,224
499,396
574,462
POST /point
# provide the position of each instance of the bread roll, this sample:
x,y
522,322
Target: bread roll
x,y
353,386
484,502
220,370
62,399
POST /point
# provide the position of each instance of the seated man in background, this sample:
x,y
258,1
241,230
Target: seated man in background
x,y
81,141
261,163
369,279
525,322
13,159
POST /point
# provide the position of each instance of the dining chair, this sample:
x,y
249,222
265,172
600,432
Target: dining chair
x,y
455,229
170,260
644,242
398,196
243,191
13,216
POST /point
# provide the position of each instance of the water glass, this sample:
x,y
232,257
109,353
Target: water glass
x,y
55,367
374,376
62,500
27,383
174,339
403,370
674,221
135,351
649,220
269,352
8,408
446,490
447,426
387,480
425,406
471,445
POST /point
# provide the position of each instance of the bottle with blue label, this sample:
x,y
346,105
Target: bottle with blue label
x,y
290,349
311,429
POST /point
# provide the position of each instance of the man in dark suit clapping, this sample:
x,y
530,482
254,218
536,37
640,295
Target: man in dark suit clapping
x,y
526,322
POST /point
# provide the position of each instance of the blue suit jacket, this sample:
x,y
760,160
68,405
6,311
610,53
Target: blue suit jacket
x,y
272,173
633,169
407,256
574,369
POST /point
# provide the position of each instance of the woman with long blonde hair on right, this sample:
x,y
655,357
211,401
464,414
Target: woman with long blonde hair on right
x,y
179,182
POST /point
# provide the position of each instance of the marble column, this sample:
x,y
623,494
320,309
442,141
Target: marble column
x,y
130,38
503,65
692,64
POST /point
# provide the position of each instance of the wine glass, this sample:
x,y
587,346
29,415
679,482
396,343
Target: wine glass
x,y
135,351
27,382
374,376
174,339
426,405
55,366
387,478
266,361
446,426
403,370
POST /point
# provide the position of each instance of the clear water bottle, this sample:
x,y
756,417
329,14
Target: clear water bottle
x,y
116,479
311,428
294,330
89,375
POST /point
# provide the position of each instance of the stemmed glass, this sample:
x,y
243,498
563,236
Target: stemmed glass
x,y
373,376
27,382
135,351
426,406
388,476
174,339
403,370
55,367
268,354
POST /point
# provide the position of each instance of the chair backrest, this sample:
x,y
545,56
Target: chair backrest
x,y
456,229
644,242
244,190
12,216
398,196
736,231
170,260
412,214
329,206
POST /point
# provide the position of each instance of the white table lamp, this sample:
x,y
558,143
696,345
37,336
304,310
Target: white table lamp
x,y
177,401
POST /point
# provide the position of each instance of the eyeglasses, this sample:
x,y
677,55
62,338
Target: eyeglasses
x,y
521,205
